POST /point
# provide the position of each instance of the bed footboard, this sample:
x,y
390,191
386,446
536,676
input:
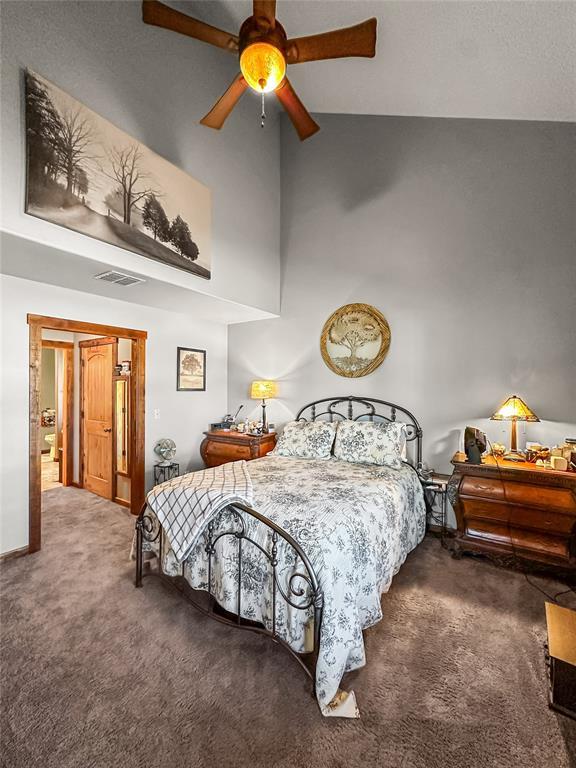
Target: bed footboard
x,y
301,591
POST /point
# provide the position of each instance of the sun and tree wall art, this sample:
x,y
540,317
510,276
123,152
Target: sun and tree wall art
x,y
355,340
85,174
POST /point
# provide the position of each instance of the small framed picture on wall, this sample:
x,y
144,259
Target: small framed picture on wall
x,y
191,370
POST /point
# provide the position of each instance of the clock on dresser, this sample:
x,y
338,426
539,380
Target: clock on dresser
x,y
514,509
220,446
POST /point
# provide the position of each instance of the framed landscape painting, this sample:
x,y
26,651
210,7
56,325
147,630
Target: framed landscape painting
x,y
191,369
85,174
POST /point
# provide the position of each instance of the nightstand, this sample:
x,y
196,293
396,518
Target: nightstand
x,y
164,472
220,446
435,495
511,510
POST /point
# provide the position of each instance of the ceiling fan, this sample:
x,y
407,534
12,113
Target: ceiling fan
x,y
264,52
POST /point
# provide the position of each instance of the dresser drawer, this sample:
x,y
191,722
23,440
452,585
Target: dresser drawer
x,y
519,540
525,494
220,447
515,515
227,451
540,496
486,488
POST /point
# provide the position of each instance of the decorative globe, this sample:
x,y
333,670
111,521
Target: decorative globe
x,y
167,449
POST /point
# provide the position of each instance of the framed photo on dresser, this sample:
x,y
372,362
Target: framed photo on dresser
x,y
191,370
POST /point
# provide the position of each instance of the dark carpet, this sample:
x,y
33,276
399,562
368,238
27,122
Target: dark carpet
x,y
97,673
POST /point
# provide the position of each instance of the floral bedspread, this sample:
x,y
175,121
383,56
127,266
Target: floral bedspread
x,y
355,522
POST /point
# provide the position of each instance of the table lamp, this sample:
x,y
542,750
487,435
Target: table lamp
x,y
514,409
263,390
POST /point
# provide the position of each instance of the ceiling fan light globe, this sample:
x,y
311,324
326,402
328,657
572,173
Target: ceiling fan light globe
x,y
263,67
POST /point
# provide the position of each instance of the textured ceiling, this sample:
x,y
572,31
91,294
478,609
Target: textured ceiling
x,y
490,59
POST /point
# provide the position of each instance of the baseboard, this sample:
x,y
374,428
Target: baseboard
x,y
122,502
13,554
74,484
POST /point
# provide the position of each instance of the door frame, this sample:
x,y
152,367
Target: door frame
x,y
84,345
36,324
67,467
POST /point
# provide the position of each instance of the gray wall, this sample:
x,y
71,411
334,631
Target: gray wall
x,y
183,416
155,85
463,233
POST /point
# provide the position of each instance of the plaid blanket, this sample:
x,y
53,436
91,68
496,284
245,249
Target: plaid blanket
x,y
184,505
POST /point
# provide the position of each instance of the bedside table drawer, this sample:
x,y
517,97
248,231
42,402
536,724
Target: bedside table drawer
x,y
487,488
519,540
539,496
219,447
227,452
518,493
522,517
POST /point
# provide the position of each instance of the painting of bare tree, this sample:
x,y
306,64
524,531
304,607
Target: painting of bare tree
x,y
85,174
355,340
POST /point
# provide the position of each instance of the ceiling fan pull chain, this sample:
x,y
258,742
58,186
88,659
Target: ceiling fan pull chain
x,y
263,115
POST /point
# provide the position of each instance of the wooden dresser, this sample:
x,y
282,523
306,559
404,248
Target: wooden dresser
x,y
220,446
515,509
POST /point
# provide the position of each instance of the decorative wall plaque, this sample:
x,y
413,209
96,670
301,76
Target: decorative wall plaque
x,y
355,340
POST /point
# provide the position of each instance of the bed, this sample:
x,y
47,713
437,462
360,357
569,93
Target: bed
x,y
308,562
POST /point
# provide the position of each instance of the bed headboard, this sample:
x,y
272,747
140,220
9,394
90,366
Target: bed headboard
x,y
366,409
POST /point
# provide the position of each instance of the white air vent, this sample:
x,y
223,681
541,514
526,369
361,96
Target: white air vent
x,y
119,278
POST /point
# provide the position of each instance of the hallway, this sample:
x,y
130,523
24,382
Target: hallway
x,y
50,475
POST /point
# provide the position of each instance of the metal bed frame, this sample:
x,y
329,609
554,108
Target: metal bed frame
x,y
302,590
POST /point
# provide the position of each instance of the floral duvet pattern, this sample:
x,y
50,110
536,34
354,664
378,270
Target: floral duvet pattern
x,y
355,522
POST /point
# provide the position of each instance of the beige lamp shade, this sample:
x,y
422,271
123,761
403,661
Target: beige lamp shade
x,y
514,409
263,390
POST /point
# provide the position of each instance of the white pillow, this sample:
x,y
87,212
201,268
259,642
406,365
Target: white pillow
x,y
306,439
371,442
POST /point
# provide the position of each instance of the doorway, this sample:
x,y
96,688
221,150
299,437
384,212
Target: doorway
x,y
56,417
110,419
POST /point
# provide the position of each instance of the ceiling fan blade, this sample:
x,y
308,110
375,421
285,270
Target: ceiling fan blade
x,y
160,15
297,112
264,11
359,40
225,104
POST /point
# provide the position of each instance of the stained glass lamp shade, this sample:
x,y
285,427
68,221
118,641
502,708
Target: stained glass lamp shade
x,y
514,409
263,390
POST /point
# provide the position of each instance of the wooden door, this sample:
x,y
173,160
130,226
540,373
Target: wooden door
x,y
97,409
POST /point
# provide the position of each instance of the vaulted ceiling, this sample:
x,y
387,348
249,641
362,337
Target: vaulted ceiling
x,y
490,59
